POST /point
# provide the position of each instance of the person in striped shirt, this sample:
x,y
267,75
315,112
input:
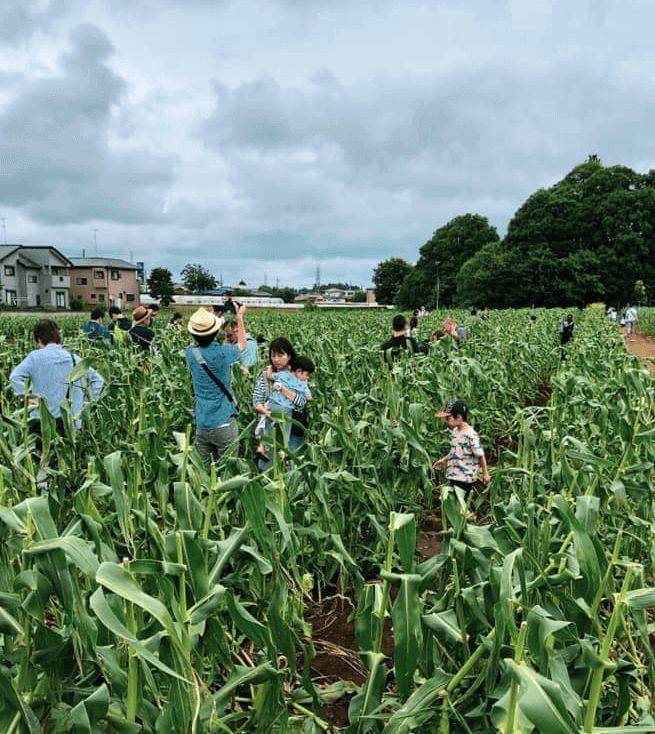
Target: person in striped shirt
x,y
281,355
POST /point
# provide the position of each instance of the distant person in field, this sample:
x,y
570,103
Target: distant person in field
x,y
289,384
281,355
458,333
474,314
210,366
465,458
423,312
250,354
229,307
567,330
44,378
153,309
141,334
95,329
631,318
175,323
119,325
399,341
413,323
485,314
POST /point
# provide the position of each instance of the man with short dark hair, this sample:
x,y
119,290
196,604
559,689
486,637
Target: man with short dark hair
x,y
94,327
44,375
399,342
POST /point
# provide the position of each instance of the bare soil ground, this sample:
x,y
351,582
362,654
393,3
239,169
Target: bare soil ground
x,y
337,652
642,347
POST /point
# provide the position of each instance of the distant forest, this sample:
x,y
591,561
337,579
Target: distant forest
x,y
588,238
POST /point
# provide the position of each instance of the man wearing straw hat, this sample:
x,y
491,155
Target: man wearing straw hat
x,y
141,334
209,363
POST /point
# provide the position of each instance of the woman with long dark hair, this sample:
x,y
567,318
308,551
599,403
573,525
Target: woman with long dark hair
x,y
281,356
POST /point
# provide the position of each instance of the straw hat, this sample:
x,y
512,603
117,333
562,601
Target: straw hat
x,y
204,323
140,314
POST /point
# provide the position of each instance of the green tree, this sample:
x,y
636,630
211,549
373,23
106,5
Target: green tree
x,y
486,279
197,279
442,256
388,277
160,285
640,292
286,293
599,222
359,297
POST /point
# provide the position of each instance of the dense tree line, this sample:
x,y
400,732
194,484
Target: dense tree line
x,y
589,237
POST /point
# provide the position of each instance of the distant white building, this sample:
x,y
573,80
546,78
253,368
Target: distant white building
x,y
34,277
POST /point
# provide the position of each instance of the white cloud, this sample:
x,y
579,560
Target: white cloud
x,y
272,135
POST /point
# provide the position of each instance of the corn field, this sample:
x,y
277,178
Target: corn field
x,y
141,594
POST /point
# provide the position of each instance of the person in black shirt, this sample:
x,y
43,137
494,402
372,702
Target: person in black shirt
x,y
400,341
141,334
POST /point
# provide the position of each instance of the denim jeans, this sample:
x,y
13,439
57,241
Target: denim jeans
x,y
214,443
631,326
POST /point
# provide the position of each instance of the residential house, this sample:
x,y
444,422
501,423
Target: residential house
x,y
105,281
314,297
34,276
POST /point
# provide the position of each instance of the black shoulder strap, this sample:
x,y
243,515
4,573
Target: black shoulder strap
x,y
216,380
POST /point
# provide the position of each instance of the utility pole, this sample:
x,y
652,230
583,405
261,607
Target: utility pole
x,y
4,230
318,278
95,240
277,282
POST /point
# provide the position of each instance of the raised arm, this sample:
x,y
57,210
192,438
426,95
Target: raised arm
x,y
241,329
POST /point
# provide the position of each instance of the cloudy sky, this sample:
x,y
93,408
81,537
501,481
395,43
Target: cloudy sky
x,y
265,137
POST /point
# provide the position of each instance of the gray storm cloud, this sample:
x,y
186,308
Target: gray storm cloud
x,y
283,132
54,143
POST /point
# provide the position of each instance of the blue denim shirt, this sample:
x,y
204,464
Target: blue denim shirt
x,y
279,401
94,330
46,371
213,409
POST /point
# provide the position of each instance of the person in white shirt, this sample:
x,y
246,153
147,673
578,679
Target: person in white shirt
x,y
631,318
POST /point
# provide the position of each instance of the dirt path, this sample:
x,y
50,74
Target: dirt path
x,y
643,347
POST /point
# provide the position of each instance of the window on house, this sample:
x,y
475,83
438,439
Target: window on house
x,y
99,274
10,270
115,274
58,271
32,279
129,296
10,297
93,295
101,297
80,281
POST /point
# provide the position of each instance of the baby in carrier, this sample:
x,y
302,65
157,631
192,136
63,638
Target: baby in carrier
x,y
287,385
